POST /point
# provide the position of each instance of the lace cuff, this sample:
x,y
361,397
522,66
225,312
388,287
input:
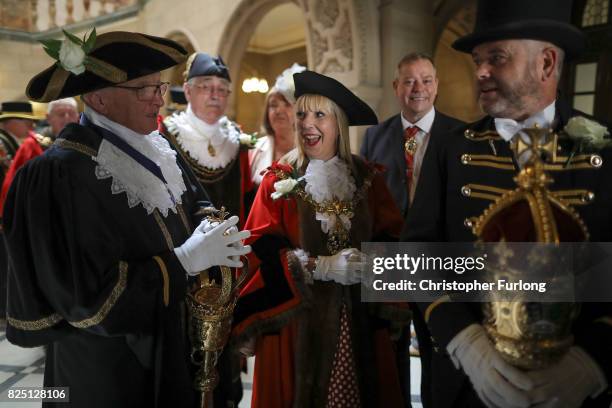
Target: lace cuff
x,y
307,264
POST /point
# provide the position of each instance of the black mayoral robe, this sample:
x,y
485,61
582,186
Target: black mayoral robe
x,y
97,281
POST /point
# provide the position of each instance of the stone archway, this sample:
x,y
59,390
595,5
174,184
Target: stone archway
x,y
175,75
456,92
186,40
342,41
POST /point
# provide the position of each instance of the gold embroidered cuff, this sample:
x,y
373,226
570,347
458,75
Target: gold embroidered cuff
x,y
109,303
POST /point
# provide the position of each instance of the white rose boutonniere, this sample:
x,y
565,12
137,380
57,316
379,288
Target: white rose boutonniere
x,y
71,52
248,140
283,187
587,132
72,57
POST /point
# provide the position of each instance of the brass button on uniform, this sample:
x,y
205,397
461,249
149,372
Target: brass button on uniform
x,y
588,197
465,158
466,191
596,160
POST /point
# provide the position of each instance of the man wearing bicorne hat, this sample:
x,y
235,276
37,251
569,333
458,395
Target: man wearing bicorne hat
x,y
213,146
518,49
102,231
16,124
59,114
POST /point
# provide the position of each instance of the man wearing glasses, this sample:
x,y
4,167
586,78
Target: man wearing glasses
x,y
212,145
103,230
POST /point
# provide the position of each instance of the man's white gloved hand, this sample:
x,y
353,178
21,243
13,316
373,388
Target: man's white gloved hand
x,y
211,248
345,268
206,226
569,382
497,383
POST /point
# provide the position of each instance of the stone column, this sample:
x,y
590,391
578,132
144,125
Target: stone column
x,y
42,15
61,13
78,10
406,26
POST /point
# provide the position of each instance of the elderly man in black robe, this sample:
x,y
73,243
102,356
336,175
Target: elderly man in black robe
x,y
102,232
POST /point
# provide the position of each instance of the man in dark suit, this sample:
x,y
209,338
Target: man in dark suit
x,y
518,50
416,87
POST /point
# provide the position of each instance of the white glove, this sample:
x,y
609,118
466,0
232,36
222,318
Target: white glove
x,y
497,383
345,268
205,249
568,383
206,226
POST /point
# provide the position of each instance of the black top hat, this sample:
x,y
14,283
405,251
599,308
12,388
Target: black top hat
x,y
202,64
17,110
357,111
544,20
118,56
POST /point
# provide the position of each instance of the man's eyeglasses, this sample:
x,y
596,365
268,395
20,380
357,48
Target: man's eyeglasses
x,y
209,90
147,93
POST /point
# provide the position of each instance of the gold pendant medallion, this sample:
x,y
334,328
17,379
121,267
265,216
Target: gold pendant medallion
x,y
211,150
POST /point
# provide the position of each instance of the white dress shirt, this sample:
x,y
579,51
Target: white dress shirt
x,y
510,128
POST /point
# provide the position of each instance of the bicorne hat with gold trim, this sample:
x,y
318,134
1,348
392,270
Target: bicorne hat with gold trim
x,y
108,59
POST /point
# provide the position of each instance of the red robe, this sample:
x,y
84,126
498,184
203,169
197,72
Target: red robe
x,y
276,303
29,149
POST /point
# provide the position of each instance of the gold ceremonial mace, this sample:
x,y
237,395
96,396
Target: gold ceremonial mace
x,y
210,308
530,335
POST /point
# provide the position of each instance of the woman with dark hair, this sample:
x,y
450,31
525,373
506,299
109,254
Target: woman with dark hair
x,y
316,343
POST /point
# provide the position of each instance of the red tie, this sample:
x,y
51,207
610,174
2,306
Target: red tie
x,y
410,148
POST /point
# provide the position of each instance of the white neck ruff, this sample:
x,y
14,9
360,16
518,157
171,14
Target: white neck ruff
x,y
327,181
196,137
139,184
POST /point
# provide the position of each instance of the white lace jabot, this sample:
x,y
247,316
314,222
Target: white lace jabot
x,y
330,180
196,136
140,185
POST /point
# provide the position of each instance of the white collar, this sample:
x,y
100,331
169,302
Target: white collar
x,y
129,176
201,139
326,181
425,123
507,128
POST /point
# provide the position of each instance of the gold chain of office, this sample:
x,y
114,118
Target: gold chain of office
x,y
339,238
